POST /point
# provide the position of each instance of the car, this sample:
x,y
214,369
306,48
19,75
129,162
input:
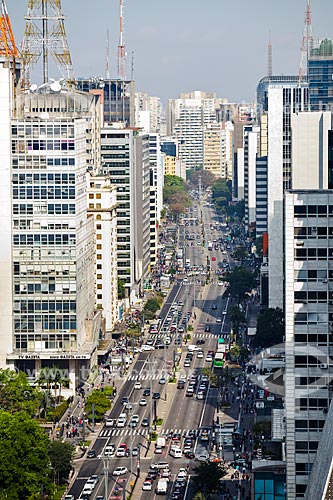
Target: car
x,y
109,422
145,422
181,384
120,471
100,497
146,392
182,472
147,486
135,451
200,354
158,449
156,395
127,452
137,385
146,347
121,452
176,436
207,328
200,395
202,457
187,363
143,402
91,454
150,341
69,497
220,283
109,450
129,406
209,358
213,259
218,320
224,313
189,454
124,400
161,465
162,381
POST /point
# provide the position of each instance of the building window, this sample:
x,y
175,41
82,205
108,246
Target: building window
x,y
99,246
98,196
99,276
99,236
91,196
99,286
99,256
99,296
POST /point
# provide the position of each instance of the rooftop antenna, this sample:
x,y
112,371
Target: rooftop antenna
x,y
107,58
132,66
121,46
306,43
45,35
270,57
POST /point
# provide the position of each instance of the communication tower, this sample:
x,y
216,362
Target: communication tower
x,y
8,46
121,46
306,44
45,36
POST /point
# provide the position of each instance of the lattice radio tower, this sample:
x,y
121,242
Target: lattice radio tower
x,y
8,46
45,36
306,45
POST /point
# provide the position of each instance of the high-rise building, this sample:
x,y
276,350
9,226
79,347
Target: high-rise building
x,y
47,301
189,132
148,112
102,204
117,98
125,159
320,71
212,149
261,195
250,185
283,99
308,339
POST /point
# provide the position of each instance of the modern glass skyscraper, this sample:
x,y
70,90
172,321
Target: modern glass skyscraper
x,y
320,75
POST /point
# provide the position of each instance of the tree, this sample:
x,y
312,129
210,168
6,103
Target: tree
x,y
237,317
207,178
207,479
16,394
221,193
101,405
61,458
240,253
241,282
24,459
121,289
270,328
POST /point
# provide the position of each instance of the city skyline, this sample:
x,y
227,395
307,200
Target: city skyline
x,y
179,40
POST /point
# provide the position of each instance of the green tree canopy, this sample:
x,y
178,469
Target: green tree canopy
x,y
221,193
61,459
24,459
270,328
101,405
207,478
16,394
237,318
241,281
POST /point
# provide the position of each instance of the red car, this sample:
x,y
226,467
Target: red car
x,y
213,258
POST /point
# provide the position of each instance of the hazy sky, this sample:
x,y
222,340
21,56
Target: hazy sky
x,y
182,45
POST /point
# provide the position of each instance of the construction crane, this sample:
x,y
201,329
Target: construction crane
x,y
306,42
8,46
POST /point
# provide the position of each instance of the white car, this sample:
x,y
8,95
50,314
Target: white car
x,y
218,320
220,283
200,354
148,347
137,385
147,486
143,402
120,471
224,313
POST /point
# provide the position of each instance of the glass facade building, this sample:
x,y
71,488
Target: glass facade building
x,y
320,75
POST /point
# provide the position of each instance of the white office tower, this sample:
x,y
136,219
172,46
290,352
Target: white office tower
x,y
283,99
309,341
48,301
148,112
238,179
251,138
189,133
102,204
156,192
125,159
227,150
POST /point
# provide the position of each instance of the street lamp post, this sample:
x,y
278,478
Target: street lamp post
x,y
106,459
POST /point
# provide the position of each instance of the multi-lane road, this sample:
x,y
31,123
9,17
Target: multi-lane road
x,y
181,414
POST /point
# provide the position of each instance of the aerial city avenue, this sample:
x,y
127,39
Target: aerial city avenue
x,y
166,327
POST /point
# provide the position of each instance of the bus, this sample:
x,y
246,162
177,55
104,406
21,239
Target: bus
x,y
218,360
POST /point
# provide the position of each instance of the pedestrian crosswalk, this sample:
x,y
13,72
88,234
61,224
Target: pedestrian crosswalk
x,y
196,334
148,376
107,433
